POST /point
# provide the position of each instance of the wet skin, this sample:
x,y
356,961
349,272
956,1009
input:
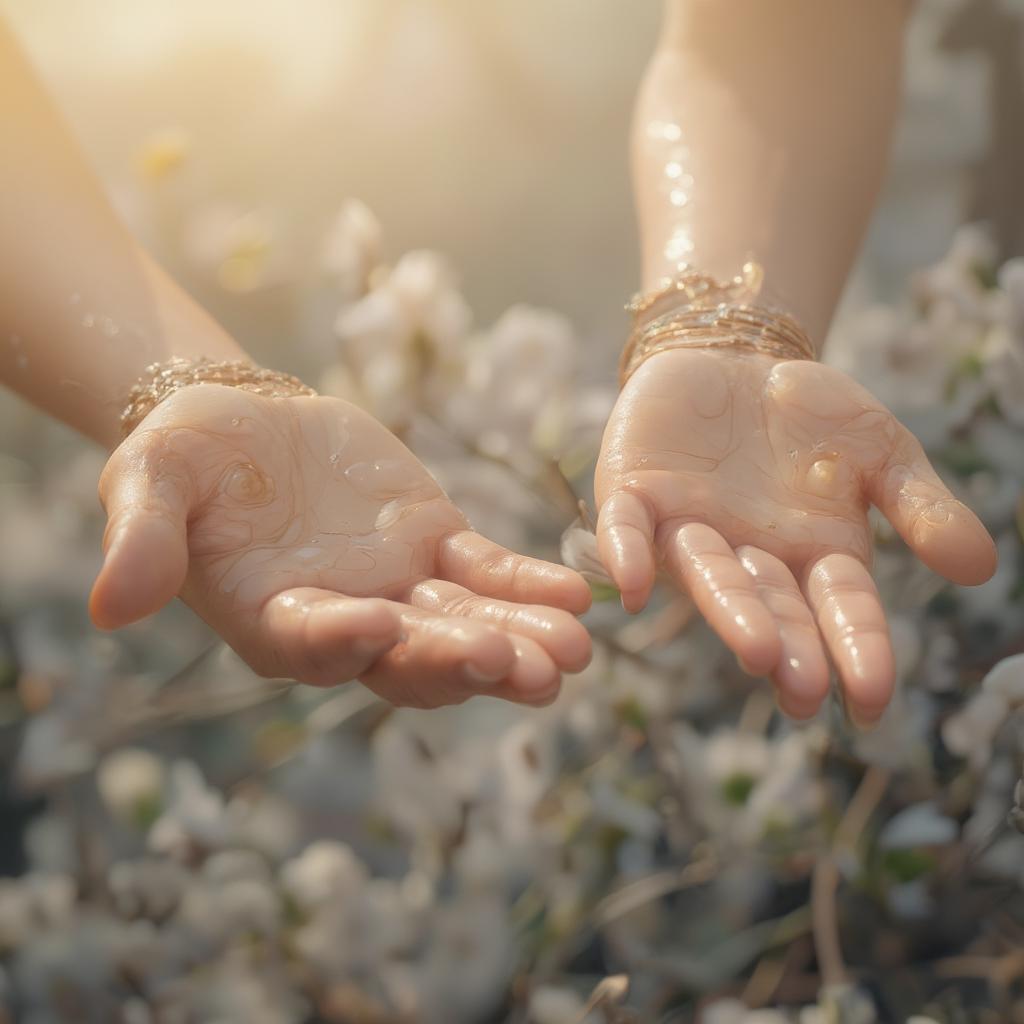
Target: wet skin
x,y
320,548
749,479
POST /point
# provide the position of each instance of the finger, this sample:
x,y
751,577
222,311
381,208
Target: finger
x,y
441,661
942,531
147,493
700,560
625,541
555,630
849,614
487,568
534,678
802,676
320,637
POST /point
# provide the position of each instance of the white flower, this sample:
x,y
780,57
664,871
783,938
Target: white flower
x,y
918,825
195,814
404,338
227,866
517,392
901,739
264,821
469,960
248,906
579,552
742,783
410,782
1006,679
732,1011
130,781
969,732
552,1004
151,887
991,602
325,871
352,248
1003,366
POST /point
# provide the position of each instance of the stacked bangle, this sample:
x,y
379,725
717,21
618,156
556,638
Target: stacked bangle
x,y
162,379
704,313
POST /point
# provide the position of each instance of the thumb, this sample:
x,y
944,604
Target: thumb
x,y
147,494
941,530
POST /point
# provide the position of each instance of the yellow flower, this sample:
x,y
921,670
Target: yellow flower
x,y
163,153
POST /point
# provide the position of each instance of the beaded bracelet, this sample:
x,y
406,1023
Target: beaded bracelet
x,y
163,379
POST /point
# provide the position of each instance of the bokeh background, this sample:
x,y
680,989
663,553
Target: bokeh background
x,y
233,136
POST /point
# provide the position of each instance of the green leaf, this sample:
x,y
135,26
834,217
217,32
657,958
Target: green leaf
x,y
736,789
603,592
906,865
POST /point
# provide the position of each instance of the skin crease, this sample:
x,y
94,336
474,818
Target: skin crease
x,y
750,479
747,478
319,547
300,529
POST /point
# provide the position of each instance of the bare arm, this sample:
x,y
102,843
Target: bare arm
x,y
762,130
83,310
299,528
747,470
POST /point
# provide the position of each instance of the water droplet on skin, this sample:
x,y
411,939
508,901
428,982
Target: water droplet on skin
x,y
89,320
644,460
389,514
826,477
333,460
235,421
22,362
109,328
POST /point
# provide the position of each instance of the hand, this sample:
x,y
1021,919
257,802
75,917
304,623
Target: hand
x,y
749,480
316,544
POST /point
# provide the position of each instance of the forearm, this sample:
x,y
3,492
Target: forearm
x,y
761,132
83,311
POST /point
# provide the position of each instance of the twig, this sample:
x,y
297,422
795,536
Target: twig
x,y
824,920
825,880
653,887
607,994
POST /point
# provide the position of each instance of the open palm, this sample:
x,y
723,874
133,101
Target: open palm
x,y
317,545
749,479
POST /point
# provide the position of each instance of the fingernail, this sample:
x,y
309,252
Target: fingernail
x,y
796,711
862,723
545,699
477,675
746,667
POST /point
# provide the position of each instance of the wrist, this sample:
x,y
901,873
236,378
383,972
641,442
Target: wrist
x,y
694,311
164,379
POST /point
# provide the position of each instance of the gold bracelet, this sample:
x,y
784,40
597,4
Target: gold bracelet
x,y
163,379
696,288
712,315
